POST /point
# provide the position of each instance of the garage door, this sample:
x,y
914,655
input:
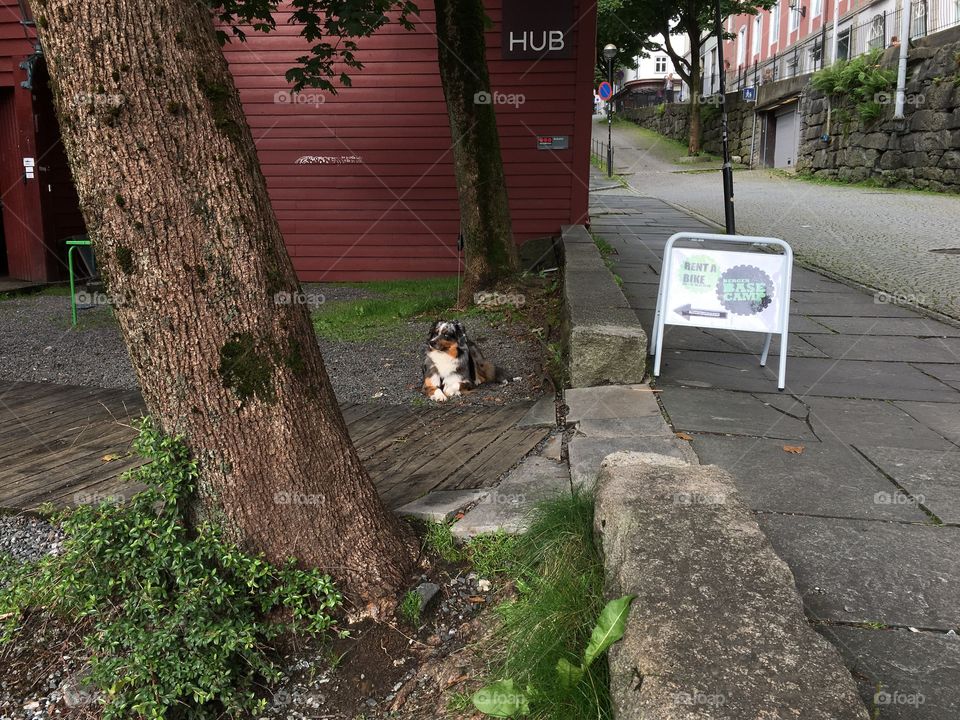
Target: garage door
x,y
788,137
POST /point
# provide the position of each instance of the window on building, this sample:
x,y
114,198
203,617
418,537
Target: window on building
x,y
843,45
775,23
794,8
757,33
741,45
817,7
919,26
816,56
877,31
660,64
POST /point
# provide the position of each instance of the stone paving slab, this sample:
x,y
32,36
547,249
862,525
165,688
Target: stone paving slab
x,y
734,413
439,506
902,674
916,327
587,453
825,479
892,348
872,422
933,478
542,414
507,507
848,304
944,417
805,376
868,571
610,401
947,374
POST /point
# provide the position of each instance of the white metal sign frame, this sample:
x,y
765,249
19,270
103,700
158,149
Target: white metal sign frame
x,y
667,276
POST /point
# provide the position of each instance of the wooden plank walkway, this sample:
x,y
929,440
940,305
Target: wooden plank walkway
x,y
66,445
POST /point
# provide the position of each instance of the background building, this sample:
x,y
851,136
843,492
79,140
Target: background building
x,y
655,79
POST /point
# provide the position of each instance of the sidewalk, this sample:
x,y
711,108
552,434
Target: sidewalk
x,y
867,515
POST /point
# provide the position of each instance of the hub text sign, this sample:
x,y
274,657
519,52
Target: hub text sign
x,y
535,29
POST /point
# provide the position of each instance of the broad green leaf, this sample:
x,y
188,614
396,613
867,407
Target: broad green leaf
x,y
501,699
609,628
568,673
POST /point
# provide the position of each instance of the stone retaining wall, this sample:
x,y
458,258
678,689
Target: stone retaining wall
x,y
673,121
920,151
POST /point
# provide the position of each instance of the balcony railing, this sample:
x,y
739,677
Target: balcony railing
x,y
869,31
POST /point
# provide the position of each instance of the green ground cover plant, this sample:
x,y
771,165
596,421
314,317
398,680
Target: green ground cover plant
x,y
181,621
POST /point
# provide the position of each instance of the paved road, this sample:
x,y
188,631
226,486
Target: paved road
x,y
853,472
881,238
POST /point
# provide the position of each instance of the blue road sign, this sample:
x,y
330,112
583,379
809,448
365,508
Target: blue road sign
x,y
749,94
605,91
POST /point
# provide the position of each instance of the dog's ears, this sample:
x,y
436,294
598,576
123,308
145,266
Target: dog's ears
x,y
433,329
461,330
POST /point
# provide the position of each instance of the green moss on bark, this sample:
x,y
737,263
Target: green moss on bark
x,y
245,371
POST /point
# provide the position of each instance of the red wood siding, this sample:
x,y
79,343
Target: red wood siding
x,y
395,214
26,250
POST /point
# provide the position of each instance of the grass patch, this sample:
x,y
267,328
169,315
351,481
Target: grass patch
x,y
606,252
558,572
661,146
874,182
399,302
601,164
438,539
410,608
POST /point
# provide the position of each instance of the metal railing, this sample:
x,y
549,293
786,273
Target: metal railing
x,y
869,31
599,150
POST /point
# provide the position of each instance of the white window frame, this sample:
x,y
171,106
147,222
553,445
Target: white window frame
x,y
741,45
793,23
757,33
660,64
817,8
775,23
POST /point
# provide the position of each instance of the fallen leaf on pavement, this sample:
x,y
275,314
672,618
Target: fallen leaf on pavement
x,y
110,457
794,449
684,436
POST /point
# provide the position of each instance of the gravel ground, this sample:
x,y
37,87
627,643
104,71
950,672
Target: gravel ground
x,y
27,538
38,344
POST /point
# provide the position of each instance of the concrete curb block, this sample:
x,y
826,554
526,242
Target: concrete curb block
x,y
717,629
605,341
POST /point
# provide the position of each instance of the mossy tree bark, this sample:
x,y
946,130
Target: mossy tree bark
x,y
176,204
489,250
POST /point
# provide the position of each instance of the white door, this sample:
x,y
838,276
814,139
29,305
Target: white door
x,y
787,138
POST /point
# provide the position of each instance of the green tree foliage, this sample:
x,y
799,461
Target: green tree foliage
x,y
644,20
330,27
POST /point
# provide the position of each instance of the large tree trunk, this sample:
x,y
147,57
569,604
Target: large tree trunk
x,y
489,251
176,204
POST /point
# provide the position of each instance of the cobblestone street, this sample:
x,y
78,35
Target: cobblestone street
x,y
879,237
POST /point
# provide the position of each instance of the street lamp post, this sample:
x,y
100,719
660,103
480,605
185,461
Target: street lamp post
x,y
610,52
727,170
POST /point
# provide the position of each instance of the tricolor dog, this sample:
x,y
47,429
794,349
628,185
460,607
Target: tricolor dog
x,y
454,363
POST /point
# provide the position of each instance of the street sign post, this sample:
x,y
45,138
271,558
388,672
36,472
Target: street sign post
x,y
605,91
749,94
725,289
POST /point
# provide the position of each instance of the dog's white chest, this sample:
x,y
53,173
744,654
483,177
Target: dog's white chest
x,y
445,364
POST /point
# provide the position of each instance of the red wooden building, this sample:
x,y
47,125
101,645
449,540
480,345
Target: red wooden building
x,y
362,181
